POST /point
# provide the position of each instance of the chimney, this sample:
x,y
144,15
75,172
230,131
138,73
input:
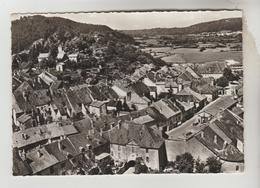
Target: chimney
x,y
119,124
25,96
112,125
60,146
101,132
202,134
81,149
215,139
224,144
39,154
92,124
25,136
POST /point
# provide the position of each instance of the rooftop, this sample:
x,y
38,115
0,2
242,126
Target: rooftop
x,y
36,134
139,134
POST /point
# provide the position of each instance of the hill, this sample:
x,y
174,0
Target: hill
x,y
28,29
232,24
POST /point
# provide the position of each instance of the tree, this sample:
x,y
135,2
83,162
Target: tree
x,y
227,73
184,163
199,166
119,105
140,167
222,81
214,165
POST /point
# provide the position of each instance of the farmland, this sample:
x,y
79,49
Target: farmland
x,y
193,55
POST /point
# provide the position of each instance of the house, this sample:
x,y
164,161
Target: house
x,y
61,56
188,109
43,56
189,96
21,99
73,57
211,69
170,112
172,86
79,99
121,88
129,141
98,108
137,101
55,86
20,166
24,122
35,159
60,67
35,136
47,78
214,131
145,120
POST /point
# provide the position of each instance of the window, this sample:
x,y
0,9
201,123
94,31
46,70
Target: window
x,y
63,165
147,159
133,149
118,147
237,168
51,170
146,150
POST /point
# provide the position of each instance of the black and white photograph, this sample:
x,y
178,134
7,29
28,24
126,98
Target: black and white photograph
x,y
127,92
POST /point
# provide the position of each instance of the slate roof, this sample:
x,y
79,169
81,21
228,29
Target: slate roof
x,y
140,134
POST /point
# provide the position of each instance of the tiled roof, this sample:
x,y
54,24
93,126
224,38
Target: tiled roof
x,y
219,105
18,94
44,132
140,134
84,139
97,104
143,119
37,163
140,88
23,118
215,67
166,109
43,55
20,167
188,91
41,97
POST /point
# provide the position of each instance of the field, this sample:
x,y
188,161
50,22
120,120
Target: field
x,y
193,55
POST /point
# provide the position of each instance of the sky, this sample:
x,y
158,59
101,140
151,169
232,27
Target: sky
x,y
143,20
